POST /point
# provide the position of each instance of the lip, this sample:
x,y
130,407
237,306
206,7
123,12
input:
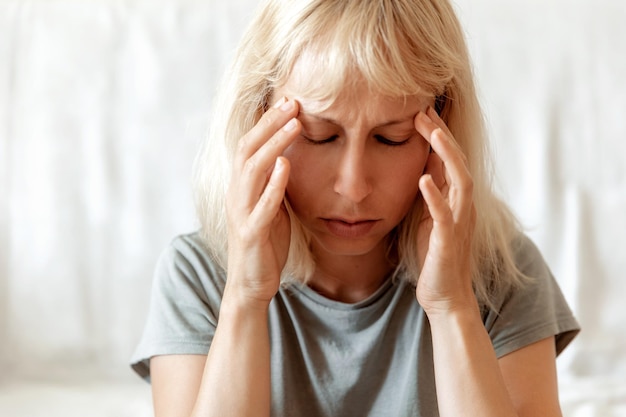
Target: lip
x,y
351,229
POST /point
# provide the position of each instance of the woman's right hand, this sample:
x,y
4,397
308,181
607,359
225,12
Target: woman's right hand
x,y
258,223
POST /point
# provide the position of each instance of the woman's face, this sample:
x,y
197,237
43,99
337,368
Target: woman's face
x,y
354,168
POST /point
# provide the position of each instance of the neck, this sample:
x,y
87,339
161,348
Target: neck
x,y
350,278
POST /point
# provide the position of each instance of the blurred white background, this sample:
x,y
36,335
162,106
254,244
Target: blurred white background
x,y
103,104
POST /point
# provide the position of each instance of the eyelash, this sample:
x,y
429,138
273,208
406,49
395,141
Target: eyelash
x,y
379,138
389,142
320,142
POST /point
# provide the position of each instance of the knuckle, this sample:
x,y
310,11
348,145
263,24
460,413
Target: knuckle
x,y
468,185
268,120
250,167
243,143
245,147
266,125
265,200
274,141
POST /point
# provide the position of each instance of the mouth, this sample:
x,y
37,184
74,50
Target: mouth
x,y
351,229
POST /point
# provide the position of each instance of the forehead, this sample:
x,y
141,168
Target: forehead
x,y
311,79
351,104
320,89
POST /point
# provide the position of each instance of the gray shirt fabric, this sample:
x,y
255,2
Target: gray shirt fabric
x,y
371,358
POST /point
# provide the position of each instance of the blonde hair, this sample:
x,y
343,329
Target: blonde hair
x,y
400,48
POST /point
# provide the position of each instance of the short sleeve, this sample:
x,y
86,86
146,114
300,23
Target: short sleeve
x,y
533,311
184,305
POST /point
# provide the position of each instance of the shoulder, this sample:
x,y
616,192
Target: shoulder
x,y
537,278
184,306
538,284
533,309
528,258
191,256
186,266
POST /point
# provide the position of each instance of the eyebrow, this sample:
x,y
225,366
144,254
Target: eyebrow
x,y
337,123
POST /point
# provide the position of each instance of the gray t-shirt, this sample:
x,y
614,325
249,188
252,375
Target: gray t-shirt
x,y
371,358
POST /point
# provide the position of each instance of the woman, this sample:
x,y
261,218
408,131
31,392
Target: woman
x,y
351,244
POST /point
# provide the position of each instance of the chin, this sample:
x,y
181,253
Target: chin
x,y
348,247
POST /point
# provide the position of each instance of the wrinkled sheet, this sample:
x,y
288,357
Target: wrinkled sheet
x,y
103,105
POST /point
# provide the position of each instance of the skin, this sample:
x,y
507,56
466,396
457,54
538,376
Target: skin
x,y
350,191
355,174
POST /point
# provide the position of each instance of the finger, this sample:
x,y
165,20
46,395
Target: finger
x,y
271,122
271,199
438,207
260,147
441,141
258,168
425,126
456,172
435,168
458,177
436,119
434,116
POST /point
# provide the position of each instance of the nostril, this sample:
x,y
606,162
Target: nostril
x,y
352,180
352,185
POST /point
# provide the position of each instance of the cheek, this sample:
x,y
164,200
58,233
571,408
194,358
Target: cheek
x,y
301,184
405,178
421,161
405,191
410,166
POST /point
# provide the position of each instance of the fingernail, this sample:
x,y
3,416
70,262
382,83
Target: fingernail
x,y
280,102
425,117
279,164
291,125
287,105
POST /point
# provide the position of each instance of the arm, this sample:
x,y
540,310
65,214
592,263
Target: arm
x,y
531,379
234,378
175,381
470,380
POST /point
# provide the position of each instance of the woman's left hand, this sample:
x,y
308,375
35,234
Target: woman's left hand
x,y
447,225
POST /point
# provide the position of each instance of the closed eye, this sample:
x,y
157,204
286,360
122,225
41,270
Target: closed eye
x,y
391,142
320,141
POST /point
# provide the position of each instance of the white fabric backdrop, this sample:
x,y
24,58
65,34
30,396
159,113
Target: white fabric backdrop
x,y
103,104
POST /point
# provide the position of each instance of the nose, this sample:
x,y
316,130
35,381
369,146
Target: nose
x,y
353,180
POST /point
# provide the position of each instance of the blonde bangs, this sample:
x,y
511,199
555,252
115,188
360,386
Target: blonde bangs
x,y
385,43
399,48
